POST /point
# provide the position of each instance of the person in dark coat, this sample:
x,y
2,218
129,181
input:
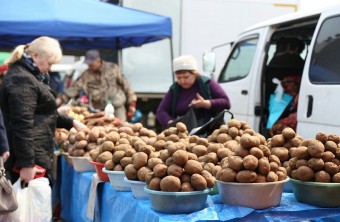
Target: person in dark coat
x,y
29,108
4,147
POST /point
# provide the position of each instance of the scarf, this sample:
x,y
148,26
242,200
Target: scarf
x,y
28,62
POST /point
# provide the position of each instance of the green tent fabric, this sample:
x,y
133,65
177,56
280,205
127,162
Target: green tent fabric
x,y
3,57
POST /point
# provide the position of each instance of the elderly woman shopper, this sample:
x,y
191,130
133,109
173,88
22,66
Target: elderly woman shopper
x,y
191,90
29,108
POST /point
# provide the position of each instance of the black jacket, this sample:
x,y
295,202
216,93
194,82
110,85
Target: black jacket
x,y
3,136
30,115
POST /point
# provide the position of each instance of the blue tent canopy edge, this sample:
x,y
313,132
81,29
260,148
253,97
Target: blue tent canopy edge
x,y
79,24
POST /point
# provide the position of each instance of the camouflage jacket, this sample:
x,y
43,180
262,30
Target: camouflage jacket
x,y
108,83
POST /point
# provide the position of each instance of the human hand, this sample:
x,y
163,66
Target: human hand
x,y
28,173
64,110
200,102
79,126
5,155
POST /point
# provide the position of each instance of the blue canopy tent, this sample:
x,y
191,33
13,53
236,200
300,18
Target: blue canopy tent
x,y
79,24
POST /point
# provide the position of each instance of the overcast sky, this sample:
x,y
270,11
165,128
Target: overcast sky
x,y
312,4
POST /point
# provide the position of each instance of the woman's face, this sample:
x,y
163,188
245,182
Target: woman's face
x,y
185,78
42,62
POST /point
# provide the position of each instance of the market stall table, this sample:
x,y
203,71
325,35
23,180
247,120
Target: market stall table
x,y
122,206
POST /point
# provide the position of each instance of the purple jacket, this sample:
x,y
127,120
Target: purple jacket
x,y
219,102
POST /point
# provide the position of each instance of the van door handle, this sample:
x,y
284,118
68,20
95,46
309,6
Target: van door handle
x,y
244,92
310,106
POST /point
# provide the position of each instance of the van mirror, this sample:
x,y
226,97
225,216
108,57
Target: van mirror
x,y
209,61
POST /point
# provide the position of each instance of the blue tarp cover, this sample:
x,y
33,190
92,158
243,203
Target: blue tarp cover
x,y
79,24
122,206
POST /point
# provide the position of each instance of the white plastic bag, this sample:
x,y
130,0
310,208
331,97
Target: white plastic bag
x,y
34,201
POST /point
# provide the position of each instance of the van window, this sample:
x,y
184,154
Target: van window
x,y
325,62
240,60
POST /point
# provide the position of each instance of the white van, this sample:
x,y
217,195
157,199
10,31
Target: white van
x,y
247,75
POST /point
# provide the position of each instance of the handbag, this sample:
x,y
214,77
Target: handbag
x,y
8,199
189,119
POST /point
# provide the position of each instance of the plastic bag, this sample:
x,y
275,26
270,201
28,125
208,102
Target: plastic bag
x,y
34,201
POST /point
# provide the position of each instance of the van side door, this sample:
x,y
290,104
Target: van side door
x,y
319,100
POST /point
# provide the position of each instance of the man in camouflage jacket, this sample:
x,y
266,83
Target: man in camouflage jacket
x,y
101,82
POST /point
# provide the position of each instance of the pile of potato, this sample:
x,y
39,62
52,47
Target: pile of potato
x,y
118,148
316,159
169,167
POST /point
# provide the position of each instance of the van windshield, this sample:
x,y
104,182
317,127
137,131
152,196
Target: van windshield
x,y
240,60
325,65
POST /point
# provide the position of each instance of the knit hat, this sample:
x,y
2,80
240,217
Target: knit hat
x,y
91,56
185,62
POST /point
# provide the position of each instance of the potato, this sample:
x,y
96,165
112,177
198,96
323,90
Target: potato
x,y
80,136
175,170
235,163
146,149
277,140
263,166
316,163
198,182
305,173
211,158
78,152
209,178
240,151
247,141
273,166
81,144
186,187
335,138
272,177
301,152
322,137
301,162
227,175
159,145
112,136
170,184
200,150
109,165
142,173
223,138
281,152
288,133
192,167
250,162
181,127
125,161
336,178
155,184
331,146
131,172
160,170
117,156
139,160
148,177
180,157
322,176
152,162
331,168
223,152
315,148
257,152
234,123
103,157
260,179
107,146
246,176
265,150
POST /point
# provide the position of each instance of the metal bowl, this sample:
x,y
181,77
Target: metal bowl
x,y
253,195
177,202
315,193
